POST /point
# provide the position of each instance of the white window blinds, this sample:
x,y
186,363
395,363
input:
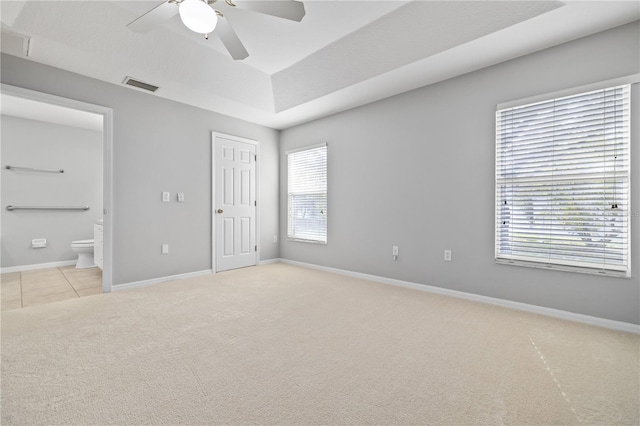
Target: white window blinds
x,y
562,182
307,194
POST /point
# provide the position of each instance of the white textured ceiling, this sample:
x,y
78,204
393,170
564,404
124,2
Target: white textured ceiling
x,y
341,55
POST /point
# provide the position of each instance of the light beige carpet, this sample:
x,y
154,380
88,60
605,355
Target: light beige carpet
x,y
279,344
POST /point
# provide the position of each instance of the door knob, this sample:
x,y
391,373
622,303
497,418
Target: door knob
x,y
220,211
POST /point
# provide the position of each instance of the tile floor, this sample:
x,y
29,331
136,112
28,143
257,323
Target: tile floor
x,y
22,289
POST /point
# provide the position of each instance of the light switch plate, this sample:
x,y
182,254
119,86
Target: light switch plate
x,y
447,255
181,197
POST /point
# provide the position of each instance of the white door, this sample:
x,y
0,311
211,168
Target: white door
x,y
234,206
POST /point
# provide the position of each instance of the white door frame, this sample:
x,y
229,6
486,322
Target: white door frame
x,y
107,164
215,135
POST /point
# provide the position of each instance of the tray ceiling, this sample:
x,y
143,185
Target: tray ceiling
x,y
343,53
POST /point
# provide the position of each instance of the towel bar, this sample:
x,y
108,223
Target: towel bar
x,y
47,208
31,169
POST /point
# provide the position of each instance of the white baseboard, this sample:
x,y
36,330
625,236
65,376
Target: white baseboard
x,y
556,313
270,261
144,283
48,265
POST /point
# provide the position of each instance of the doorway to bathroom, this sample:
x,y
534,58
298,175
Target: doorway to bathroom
x,y
57,190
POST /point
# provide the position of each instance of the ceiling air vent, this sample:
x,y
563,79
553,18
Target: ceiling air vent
x,y
140,84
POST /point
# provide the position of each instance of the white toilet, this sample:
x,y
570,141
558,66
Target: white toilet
x,y
84,248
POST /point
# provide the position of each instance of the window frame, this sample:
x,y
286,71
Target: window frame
x,y
566,265
294,237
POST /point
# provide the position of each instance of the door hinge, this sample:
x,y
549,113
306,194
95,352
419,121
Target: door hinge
x,y
256,248
255,203
255,157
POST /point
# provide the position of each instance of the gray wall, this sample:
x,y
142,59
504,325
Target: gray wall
x,y
417,171
51,146
160,145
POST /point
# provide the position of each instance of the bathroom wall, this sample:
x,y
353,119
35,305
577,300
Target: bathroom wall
x,y
39,144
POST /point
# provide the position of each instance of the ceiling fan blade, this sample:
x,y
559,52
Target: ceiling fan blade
x,y
289,9
230,40
156,16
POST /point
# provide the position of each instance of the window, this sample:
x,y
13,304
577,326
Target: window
x,y
562,183
307,194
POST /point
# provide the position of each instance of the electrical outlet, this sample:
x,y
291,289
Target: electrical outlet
x,y
275,238
181,197
165,197
447,255
165,248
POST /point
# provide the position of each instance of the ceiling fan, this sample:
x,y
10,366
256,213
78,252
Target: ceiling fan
x,y
201,17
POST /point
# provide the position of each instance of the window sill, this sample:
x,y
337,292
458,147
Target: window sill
x,y
564,268
301,240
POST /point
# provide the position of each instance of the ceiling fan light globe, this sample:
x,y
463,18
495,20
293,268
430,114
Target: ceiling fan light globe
x,y
198,16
